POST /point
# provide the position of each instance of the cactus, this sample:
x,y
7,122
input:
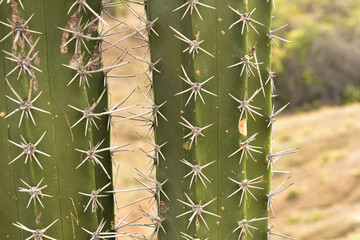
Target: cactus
x,y
210,91
210,95
55,161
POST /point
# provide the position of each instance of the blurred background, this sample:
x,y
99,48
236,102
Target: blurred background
x,y
320,74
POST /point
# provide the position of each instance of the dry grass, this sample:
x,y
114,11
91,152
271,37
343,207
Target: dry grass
x,y
324,170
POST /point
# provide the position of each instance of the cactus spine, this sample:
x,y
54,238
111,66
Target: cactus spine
x,y
60,190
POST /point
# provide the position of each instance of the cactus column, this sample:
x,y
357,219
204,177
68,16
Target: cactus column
x,y
44,131
214,62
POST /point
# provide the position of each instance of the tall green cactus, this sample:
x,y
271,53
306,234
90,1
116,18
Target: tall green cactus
x,y
211,89
54,137
212,85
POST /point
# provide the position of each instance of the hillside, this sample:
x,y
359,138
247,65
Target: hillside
x,y
324,202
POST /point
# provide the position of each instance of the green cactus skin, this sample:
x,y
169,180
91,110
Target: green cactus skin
x,y
62,179
226,134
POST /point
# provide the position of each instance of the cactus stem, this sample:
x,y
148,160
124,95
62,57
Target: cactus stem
x,y
195,131
94,195
37,233
196,171
246,107
29,149
195,88
245,186
245,226
246,20
246,148
191,6
196,210
34,192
